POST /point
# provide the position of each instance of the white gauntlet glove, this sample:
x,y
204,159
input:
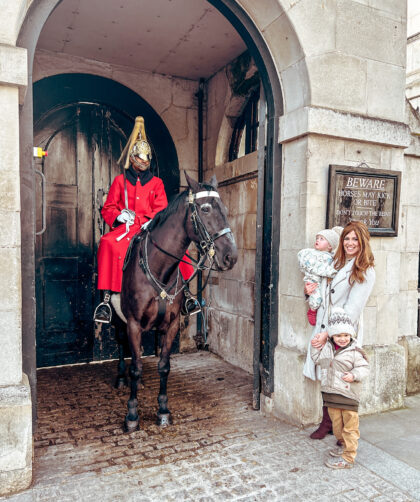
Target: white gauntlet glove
x,y
123,217
126,216
146,224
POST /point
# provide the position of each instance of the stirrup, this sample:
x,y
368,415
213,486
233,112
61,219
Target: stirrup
x,y
107,306
190,306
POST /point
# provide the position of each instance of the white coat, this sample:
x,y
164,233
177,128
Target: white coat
x,y
339,293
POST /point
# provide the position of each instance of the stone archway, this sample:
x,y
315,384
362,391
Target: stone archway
x,y
270,172
268,235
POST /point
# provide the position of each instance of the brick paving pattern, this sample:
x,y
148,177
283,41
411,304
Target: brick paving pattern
x,y
217,449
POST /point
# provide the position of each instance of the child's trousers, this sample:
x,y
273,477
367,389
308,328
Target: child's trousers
x,y
346,428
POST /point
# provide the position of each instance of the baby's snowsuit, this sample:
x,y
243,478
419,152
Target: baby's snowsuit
x,y
315,265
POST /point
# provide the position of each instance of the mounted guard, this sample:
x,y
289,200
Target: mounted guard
x,y
154,273
134,198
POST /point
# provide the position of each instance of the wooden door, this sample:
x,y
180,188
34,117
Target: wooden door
x,y
83,142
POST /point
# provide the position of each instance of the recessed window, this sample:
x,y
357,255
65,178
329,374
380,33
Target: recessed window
x,y
245,134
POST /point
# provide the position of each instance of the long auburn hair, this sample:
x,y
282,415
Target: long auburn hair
x,y
364,259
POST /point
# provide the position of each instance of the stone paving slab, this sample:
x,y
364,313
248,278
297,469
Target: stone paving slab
x,y
390,467
396,432
217,449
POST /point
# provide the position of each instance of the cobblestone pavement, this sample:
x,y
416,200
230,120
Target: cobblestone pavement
x,y
217,449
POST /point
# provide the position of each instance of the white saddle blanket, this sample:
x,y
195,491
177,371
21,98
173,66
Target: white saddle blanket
x,y
116,303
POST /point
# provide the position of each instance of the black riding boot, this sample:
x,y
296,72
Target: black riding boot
x,y
103,312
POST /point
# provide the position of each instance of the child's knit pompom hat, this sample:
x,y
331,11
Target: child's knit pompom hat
x,y
339,322
332,235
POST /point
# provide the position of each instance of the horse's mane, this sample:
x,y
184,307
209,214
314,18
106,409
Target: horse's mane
x,y
173,207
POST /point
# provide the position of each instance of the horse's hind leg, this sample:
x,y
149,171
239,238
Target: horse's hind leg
x,y
131,422
121,380
164,367
120,333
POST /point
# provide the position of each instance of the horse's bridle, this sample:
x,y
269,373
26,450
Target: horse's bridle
x,y
205,248
206,243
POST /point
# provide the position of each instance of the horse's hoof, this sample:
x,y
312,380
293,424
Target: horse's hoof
x,y
131,425
121,382
164,419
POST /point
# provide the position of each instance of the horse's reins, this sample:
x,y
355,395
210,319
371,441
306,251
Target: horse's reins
x,y
162,289
199,266
205,249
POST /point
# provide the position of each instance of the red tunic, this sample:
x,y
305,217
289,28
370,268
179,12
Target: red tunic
x,y
146,201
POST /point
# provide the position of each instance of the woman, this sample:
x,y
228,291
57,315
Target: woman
x,y
349,289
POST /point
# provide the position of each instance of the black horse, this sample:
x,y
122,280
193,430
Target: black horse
x,y
152,288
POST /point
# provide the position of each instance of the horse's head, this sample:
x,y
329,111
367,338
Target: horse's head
x,y
208,226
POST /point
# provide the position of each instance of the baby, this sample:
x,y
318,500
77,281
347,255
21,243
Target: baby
x,y
316,263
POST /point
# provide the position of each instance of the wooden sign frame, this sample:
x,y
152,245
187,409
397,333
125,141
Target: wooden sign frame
x,y
364,194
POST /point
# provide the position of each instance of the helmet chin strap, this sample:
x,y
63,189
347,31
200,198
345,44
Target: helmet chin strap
x,y
137,166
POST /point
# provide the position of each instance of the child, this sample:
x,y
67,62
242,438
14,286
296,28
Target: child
x,y
343,366
316,263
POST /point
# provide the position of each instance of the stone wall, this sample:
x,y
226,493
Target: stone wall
x,y
391,311
413,54
356,70
409,283
15,400
352,119
230,295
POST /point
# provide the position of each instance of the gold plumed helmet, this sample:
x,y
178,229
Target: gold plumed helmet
x,y
137,144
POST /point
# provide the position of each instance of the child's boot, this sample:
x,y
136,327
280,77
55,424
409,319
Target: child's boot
x,y
325,427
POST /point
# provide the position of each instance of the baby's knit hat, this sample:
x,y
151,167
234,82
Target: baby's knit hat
x,y
339,322
332,235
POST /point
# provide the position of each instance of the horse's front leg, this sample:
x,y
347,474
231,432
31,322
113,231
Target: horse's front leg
x,y
164,367
134,337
